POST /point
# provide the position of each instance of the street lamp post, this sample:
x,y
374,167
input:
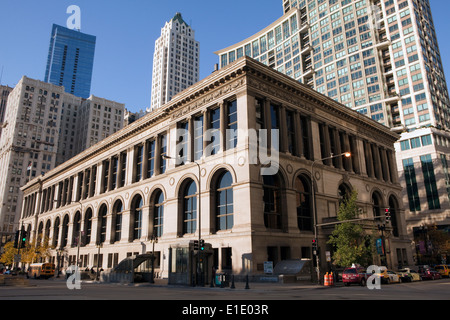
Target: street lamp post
x,y
199,218
347,155
154,239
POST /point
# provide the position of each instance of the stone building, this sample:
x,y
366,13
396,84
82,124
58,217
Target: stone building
x,y
43,127
180,170
382,59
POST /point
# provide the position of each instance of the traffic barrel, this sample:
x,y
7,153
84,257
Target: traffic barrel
x,y
326,280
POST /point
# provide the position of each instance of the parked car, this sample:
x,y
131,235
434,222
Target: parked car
x,y
428,273
393,276
383,275
404,275
354,275
443,269
409,275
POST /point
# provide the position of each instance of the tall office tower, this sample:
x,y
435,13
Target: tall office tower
x,y
98,119
4,93
175,61
380,58
27,145
70,60
45,126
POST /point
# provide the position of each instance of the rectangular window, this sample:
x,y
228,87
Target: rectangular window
x,y
105,175
183,143
198,137
151,158
232,122
415,143
411,185
123,166
306,137
115,165
162,152
139,162
290,122
87,183
259,110
430,182
446,173
214,146
426,140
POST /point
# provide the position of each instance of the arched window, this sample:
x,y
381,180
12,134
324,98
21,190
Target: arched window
x,y
76,228
47,232
117,220
40,232
272,202
136,214
158,213
224,202
56,232
190,207
65,231
377,204
345,192
102,222
87,227
304,214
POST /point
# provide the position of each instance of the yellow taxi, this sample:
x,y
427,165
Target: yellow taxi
x,y
383,274
443,269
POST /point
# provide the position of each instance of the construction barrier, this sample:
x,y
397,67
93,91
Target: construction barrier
x,y
328,280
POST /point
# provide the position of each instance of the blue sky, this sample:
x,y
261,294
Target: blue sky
x,y
126,32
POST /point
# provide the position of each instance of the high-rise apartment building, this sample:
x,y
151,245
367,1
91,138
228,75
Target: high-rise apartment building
x,y
175,61
380,58
44,126
70,60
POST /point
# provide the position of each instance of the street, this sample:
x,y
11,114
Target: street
x,y
56,289
266,301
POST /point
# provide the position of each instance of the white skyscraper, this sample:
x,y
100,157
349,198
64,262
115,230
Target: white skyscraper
x,y
175,61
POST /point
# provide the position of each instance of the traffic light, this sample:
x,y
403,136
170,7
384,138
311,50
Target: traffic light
x,y
202,245
23,239
195,244
16,239
387,214
314,246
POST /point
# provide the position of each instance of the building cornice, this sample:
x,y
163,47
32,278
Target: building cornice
x,y
238,74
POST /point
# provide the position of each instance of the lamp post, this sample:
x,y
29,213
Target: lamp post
x,y
199,214
153,239
347,155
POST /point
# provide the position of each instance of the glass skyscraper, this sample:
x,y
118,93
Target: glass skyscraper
x,y
70,60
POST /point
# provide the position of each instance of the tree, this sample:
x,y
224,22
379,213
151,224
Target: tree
x,y
351,243
9,252
440,240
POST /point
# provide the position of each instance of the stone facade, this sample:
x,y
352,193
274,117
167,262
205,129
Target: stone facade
x,y
127,191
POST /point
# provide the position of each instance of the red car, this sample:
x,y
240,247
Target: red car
x,y
354,275
427,273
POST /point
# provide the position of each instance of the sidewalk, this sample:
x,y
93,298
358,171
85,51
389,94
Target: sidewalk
x,y
238,285
260,286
